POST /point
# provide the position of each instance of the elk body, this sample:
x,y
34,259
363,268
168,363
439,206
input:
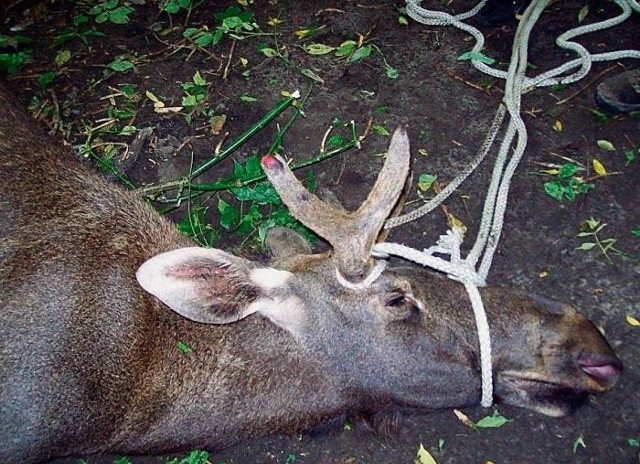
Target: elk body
x,y
97,291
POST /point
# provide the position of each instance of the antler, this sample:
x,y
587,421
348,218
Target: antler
x,y
351,235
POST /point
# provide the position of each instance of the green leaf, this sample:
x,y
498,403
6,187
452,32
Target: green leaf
x,y
248,98
605,145
252,166
120,15
554,189
318,49
121,65
468,56
189,100
335,141
312,75
494,421
198,79
229,215
586,246
45,79
249,221
11,62
189,32
634,442
392,73
578,442
262,193
380,130
268,52
636,232
361,53
102,17
346,48
185,348
567,170
425,181
62,57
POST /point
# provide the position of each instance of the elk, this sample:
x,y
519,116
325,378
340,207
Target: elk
x,y
98,291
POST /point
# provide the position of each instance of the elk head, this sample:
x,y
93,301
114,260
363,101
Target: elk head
x,y
407,339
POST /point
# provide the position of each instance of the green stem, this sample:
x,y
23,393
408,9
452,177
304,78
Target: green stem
x,y
253,130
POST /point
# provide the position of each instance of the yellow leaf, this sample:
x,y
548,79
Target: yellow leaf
x,y
275,22
156,101
462,417
423,456
454,222
599,168
557,126
632,321
303,33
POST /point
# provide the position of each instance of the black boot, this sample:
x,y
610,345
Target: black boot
x,y
499,12
620,93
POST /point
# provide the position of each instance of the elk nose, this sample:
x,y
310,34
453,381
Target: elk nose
x,y
605,368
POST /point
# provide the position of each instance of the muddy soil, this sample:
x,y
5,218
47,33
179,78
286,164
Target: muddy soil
x,y
447,107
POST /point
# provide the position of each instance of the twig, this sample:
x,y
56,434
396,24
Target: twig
x,y
226,68
587,85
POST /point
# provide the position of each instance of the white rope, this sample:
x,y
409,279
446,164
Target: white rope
x,y
377,270
464,270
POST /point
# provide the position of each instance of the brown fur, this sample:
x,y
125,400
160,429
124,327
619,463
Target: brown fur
x,y
89,361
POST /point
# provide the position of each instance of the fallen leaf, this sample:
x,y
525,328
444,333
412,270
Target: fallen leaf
x,y
423,456
605,145
217,123
462,417
491,422
557,126
632,321
578,442
454,222
582,14
599,168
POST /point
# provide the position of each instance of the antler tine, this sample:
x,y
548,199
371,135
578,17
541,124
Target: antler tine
x,y
351,235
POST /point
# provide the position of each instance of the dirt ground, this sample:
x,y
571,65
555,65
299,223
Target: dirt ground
x,y
447,106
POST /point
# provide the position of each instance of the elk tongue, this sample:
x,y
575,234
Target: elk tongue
x,y
600,366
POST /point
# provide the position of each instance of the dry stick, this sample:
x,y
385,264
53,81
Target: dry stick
x,y
226,68
587,85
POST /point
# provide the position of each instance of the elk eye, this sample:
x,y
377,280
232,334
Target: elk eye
x,y
402,306
396,300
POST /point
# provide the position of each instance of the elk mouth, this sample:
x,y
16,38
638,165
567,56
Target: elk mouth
x,y
558,394
543,396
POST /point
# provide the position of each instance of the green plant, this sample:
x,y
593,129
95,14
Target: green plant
x,y
566,183
120,65
352,51
234,22
101,142
194,457
195,95
590,230
10,62
259,207
79,29
173,6
113,11
631,155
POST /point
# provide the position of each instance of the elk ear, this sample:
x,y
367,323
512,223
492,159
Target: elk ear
x,y
209,285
